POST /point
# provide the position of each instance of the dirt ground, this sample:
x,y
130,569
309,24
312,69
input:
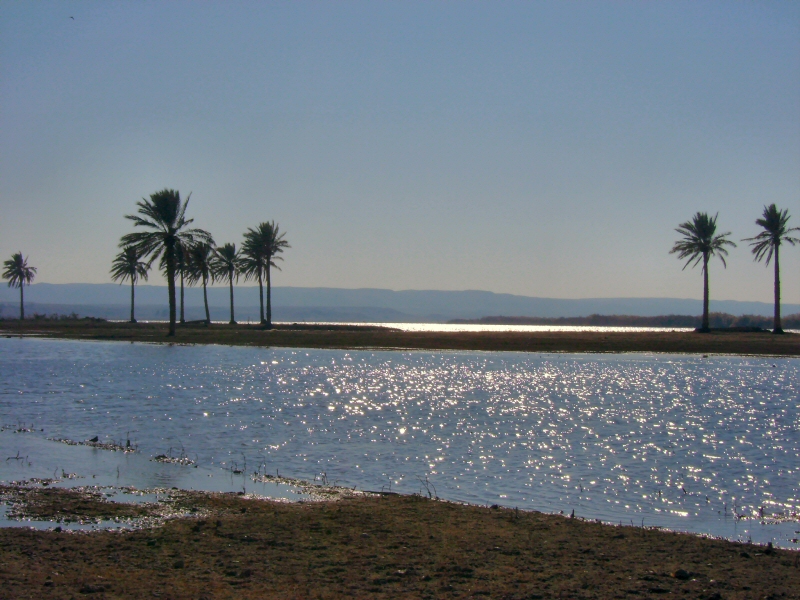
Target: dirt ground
x,y
354,337
380,547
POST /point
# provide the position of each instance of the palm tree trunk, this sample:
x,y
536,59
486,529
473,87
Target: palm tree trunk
x,y
205,300
776,325
705,326
183,319
230,279
269,299
133,282
261,298
170,256
21,301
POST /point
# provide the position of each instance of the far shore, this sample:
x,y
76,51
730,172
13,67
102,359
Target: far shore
x,y
355,337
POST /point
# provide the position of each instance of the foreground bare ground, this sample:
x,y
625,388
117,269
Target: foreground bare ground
x,y
382,547
365,337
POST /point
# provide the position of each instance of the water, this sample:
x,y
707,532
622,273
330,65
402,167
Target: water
x,y
475,327
682,442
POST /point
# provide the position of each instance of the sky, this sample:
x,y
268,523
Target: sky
x,y
537,148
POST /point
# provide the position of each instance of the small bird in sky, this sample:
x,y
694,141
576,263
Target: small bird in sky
x,y
73,18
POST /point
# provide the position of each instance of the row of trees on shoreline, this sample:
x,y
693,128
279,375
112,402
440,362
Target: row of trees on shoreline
x,y
190,254
700,241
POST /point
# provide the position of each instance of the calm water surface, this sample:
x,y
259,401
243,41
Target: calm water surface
x,y
677,441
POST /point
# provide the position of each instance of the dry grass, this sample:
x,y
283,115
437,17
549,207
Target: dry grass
x,y
386,547
372,337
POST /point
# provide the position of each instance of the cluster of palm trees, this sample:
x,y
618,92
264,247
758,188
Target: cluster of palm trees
x,y
701,241
191,254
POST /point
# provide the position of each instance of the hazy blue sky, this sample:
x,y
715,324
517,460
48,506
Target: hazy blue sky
x,y
537,148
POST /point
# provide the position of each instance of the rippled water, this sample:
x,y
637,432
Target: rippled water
x,y
678,441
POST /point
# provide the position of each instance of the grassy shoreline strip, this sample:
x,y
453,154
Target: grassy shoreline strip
x,y
371,338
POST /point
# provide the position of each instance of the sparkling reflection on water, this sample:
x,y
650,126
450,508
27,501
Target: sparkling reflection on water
x,y
682,442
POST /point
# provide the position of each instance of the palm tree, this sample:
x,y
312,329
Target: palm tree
x,y
18,274
260,251
180,264
180,272
198,268
227,265
701,242
165,214
767,243
127,265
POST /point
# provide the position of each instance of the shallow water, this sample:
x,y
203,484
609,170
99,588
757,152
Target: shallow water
x,y
676,441
476,327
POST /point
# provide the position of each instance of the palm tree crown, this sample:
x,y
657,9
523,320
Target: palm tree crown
x,y
199,264
776,230
260,251
766,244
19,274
700,239
165,215
227,263
17,271
700,242
127,266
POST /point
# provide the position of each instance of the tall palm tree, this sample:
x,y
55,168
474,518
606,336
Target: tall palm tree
x,y
768,242
260,251
18,274
199,268
700,242
227,265
126,265
165,215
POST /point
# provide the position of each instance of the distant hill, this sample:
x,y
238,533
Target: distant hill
x,y
359,305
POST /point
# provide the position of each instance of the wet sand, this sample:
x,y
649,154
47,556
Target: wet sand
x,y
380,547
355,337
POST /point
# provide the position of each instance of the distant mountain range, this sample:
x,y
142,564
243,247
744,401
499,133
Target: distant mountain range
x,y
296,304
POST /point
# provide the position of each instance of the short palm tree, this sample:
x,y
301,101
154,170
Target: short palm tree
x,y
259,252
127,265
700,242
199,268
180,273
227,265
19,274
165,215
768,242
180,265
